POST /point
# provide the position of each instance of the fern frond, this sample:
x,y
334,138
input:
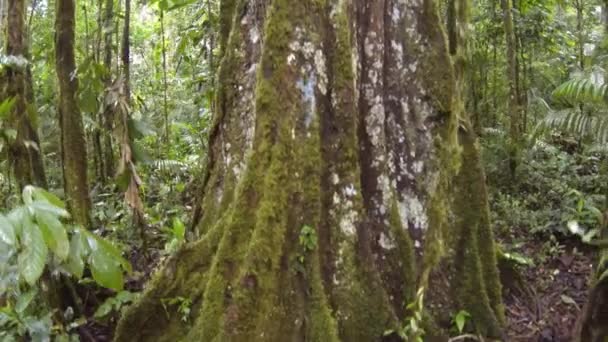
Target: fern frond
x,y
577,123
581,90
168,164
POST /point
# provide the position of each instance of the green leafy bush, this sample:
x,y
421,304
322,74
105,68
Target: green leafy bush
x,y
34,238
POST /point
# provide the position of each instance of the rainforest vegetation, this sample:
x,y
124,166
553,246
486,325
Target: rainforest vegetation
x,y
304,170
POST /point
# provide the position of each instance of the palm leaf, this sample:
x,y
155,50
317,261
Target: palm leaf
x,y
582,90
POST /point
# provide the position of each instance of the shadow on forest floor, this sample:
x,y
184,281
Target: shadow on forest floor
x,y
552,291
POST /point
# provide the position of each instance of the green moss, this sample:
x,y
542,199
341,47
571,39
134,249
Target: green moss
x,y
406,254
323,326
227,10
246,282
477,284
184,275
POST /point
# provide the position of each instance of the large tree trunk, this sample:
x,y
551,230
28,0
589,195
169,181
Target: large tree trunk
x,y
328,197
24,151
73,143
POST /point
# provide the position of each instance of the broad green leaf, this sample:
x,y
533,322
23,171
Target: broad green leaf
x,y
461,319
603,276
42,195
126,296
179,4
26,194
590,235
97,243
54,234
33,257
19,218
75,262
7,231
598,214
106,270
25,299
179,230
105,308
39,329
6,106
40,206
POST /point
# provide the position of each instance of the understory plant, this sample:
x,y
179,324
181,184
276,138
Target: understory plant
x,y
37,246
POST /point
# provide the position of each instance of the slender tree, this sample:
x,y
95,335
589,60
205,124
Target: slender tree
x,y
512,75
126,165
24,151
109,103
126,52
73,143
165,86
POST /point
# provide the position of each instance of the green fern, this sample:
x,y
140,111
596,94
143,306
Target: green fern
x,y
169,164
576,123
589,123
582,90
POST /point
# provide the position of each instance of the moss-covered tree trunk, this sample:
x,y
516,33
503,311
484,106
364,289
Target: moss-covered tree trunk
x,y
73,143
329,197
24,151
474,234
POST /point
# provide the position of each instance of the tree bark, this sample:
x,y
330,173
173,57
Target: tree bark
x,y
109,105
329,197
25,150
512,74
73,143
472,213
165,85
126,52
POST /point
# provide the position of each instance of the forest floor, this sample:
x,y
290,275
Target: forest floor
x,y
542,299
544,303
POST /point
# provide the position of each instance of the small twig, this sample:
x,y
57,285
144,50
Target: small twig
x,y
464,337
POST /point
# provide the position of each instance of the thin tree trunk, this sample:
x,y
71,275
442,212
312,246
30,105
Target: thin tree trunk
x,y
210,59
3,23
25,151
127,163
605,15
580,6
99,33
108,105
73,143
326,204
164,57
125,56
512,74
